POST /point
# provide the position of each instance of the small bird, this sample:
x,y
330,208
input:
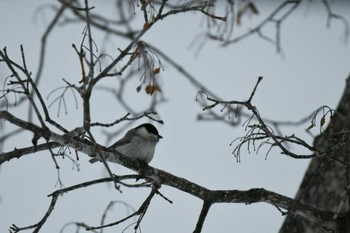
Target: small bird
x,y
138,144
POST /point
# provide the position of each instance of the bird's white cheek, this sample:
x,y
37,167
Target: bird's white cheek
x,y
143,133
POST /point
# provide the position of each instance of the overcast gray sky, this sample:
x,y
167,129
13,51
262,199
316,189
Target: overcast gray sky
x,y
310,72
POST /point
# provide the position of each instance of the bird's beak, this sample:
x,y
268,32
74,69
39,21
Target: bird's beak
x,y
160,137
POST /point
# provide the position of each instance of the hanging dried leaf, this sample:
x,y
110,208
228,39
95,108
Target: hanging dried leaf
x,y
310,127
157,88
156,70
138,88
322,121
249,7
146,26
253,8
149,89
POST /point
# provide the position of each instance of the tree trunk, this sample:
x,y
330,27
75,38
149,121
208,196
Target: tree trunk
x,y
326,182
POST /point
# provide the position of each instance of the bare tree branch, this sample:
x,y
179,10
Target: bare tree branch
x,y
272,18
162,177
202,216
139,58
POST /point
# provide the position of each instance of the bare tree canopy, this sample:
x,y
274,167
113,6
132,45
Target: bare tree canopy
x,y
243,92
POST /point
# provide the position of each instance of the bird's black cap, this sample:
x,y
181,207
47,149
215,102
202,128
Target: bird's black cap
x,y
151,129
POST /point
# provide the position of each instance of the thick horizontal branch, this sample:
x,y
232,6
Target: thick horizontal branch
x,y
17,153
165,178
237,196
24,124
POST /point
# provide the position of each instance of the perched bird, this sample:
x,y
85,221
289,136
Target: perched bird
x,y
138,143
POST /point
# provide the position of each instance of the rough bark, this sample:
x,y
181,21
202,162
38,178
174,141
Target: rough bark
x,y
326,182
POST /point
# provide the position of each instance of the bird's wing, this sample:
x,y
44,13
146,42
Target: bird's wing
x,y
125,140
